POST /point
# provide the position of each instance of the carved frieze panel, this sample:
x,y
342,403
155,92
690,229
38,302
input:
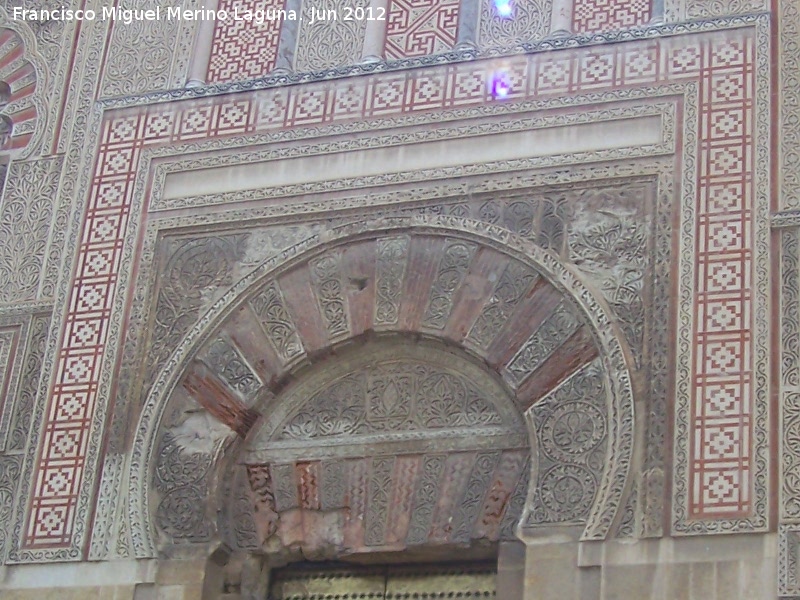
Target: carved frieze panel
x,y
196,271
227,361
387,502
270,308
10,348
128,70
720,8
610,240
378,498
329,40
391,396
10,468
551,334
237,522
392,257
18,433
181,482
512,286
26,220
789,77
790,375
531,22
187,448
9,340
328,284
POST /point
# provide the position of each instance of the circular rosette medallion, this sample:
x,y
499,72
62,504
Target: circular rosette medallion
x,y
572,430
567,492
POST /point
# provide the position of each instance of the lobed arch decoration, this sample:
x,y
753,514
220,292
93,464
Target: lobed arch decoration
x,y
498,345
23,77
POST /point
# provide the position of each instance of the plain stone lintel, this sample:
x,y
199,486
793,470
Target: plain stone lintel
x,y
79,575
633,133
720,548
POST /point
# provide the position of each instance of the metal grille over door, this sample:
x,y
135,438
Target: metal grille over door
x,y
386,583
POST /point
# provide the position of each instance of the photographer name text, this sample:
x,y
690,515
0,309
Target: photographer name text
x,y
177,13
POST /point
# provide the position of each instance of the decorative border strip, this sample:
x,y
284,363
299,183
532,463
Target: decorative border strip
x,y
786,218
649,32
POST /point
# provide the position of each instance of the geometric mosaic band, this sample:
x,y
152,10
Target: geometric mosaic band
x,y
722,411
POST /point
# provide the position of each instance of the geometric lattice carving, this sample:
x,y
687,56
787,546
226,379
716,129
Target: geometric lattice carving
x,y
589,16
420,27
244,49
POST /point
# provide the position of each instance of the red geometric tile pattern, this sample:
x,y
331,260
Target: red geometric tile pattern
x,y
590,16
723,373
719,473
420,27
243,49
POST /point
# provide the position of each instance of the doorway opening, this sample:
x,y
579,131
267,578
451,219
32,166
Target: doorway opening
x,y
306,581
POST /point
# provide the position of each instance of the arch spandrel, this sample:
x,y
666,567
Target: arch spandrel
x,y
515,309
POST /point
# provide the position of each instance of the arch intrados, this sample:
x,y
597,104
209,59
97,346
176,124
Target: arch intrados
x,y
561,276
